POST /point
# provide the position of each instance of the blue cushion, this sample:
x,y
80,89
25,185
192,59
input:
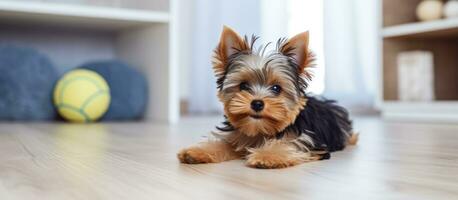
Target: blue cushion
x,y
27,79
128,88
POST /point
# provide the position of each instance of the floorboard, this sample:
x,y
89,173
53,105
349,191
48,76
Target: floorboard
x,y
138,161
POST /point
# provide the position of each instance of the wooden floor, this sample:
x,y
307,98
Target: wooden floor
x,y
138,161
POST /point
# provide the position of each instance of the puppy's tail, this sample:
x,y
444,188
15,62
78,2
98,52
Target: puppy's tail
x,y
353,139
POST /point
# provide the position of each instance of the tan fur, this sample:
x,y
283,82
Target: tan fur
x,y
208,152
240,141
353,140
229,41
275,116
277,154
298,46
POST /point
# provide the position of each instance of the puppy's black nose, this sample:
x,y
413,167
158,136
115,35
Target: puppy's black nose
x,y
257,105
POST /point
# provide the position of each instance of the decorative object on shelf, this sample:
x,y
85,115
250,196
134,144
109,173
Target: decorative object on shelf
x,y
429,10
27,79
416,76
82,96
451,9
129,89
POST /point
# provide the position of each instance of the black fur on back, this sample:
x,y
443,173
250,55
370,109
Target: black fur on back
x,y
328,124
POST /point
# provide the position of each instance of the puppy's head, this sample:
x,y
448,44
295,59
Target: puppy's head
x,y
262,94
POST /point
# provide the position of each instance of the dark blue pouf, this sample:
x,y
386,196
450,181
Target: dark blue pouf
x,y
128,87
26,83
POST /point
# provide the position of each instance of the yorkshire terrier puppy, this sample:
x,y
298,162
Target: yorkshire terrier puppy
x,y
270,119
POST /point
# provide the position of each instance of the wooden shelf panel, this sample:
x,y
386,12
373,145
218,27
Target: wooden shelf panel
x,y
434,29
69,15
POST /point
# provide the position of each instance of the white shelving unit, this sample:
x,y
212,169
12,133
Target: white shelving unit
x,y
438,28
445,111
143,38
79,14
402,32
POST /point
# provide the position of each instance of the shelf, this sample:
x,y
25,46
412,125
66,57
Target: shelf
x,y
432,29
70,15
437,111
72,34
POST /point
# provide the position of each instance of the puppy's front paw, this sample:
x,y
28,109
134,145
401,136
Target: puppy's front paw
x,y
195,155
265,160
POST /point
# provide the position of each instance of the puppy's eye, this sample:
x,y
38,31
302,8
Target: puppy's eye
x,y
276,89
244,86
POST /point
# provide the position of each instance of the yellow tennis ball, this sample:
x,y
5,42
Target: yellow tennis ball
x,y
82,96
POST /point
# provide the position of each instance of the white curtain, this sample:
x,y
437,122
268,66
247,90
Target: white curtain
x,y
351,52
208,18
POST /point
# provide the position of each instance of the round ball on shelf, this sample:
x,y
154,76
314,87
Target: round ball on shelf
x,y
429,10
27,79
128,87
451,9
81,96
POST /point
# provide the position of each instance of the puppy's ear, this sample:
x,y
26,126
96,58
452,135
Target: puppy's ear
x,y
298,49
230,43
